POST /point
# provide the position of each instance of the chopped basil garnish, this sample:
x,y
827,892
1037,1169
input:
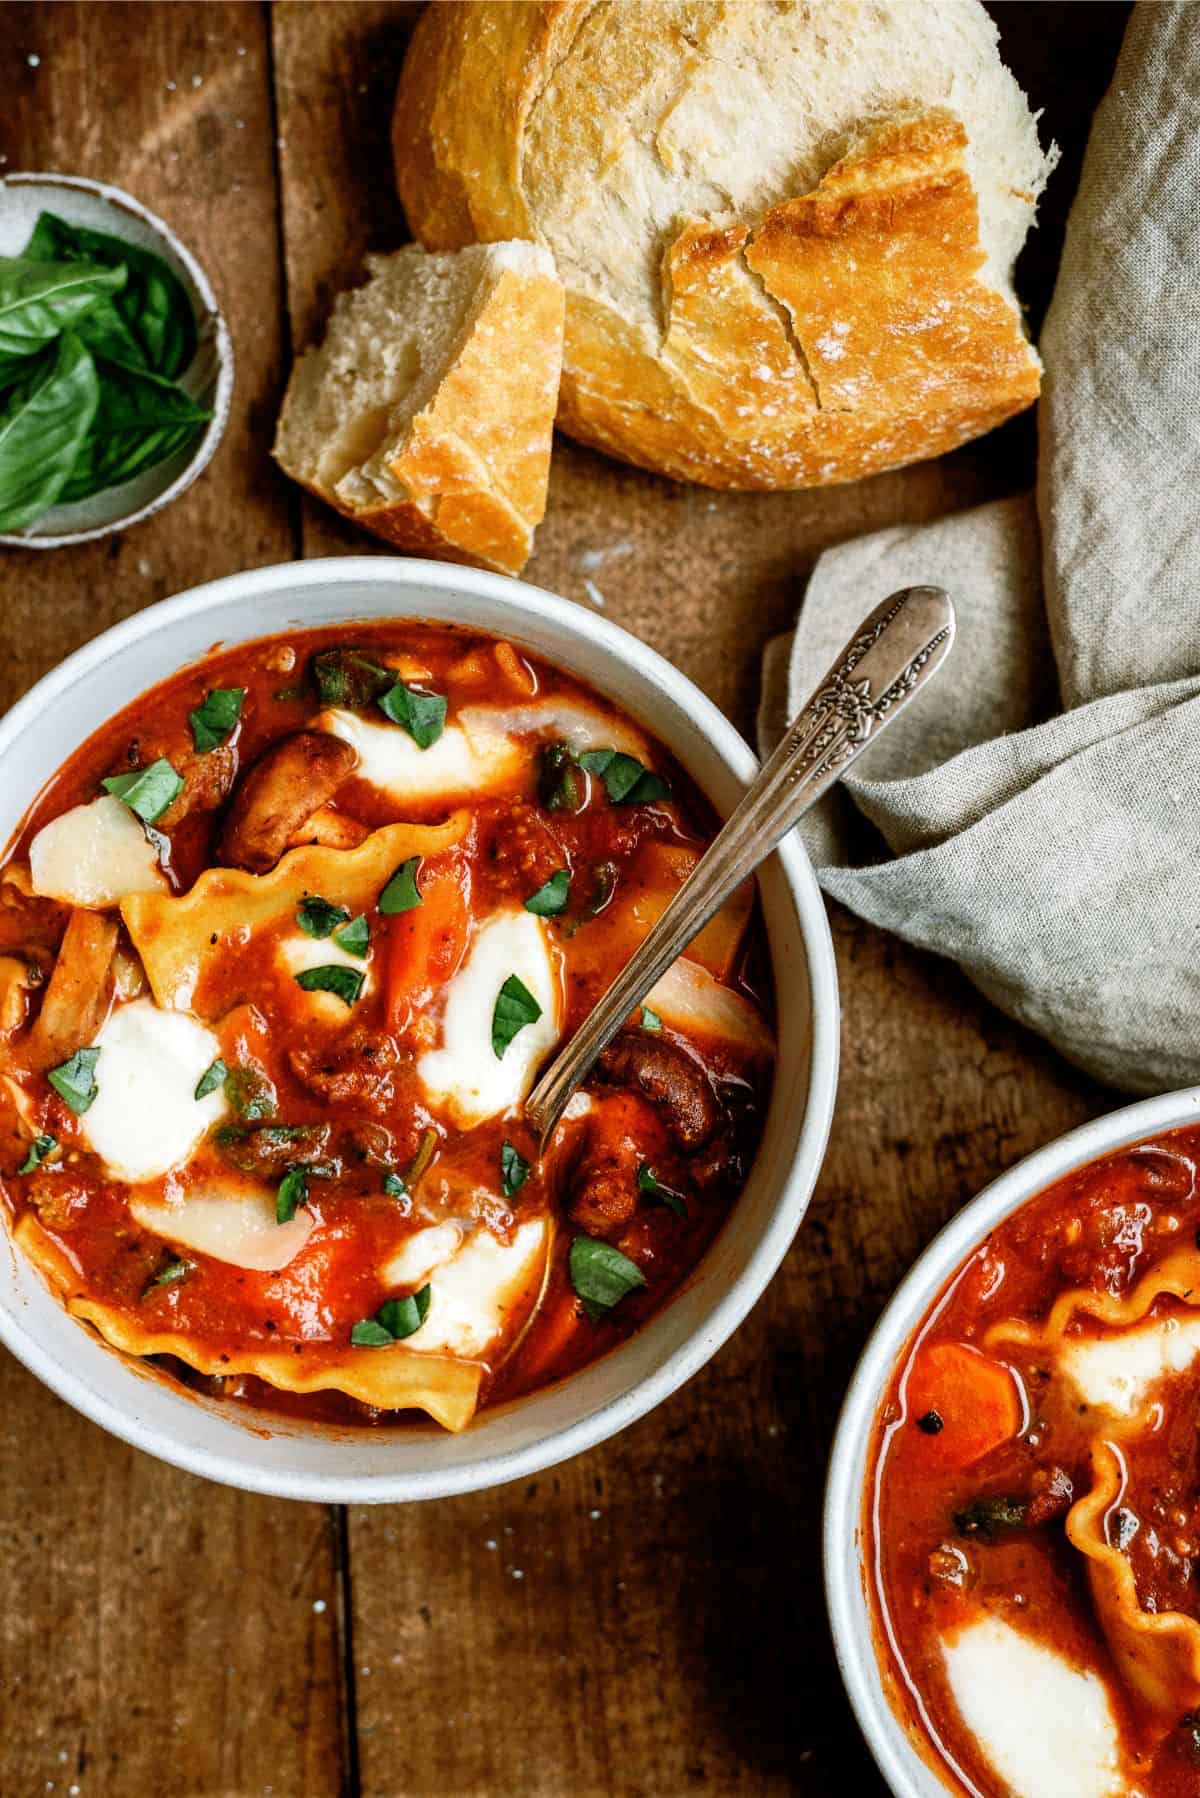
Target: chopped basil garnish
x,y
38,1151
601,1275
423,1156
210,1079
394,1320
345,983
147,792
558,783
401,892
931,1423
650,1184
625,779
348,677
651,1020
250,1093
317,917
551,898
515,1007
514,1170
394,1186
173,1272
422,715
353,937
1122,1526
990,1516
74,1080
291,1194
212,723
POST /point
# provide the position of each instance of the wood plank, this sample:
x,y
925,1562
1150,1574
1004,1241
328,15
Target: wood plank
x,y
157,1633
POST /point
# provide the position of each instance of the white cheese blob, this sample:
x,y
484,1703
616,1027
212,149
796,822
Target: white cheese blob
x,y
1118,1371
238,1227
449,769
569,720
296,952
145,1118
1046,1727
473,1288
465,1075
94,855
420,1253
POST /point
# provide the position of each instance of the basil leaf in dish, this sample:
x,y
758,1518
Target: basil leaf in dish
x,y
515,1008
41,299
550,898
990,1516
558,783
347,677
172,1273
514,1170
212,722
344,983
651,1021
39,1148
653,1188
422,715
353,937
210,1079
42,428
147,791
269,1150
401,892
154,314
601,1275
74,1080
291,1194
394,1186
140,420
317,917
394,1320
625,779
250,1093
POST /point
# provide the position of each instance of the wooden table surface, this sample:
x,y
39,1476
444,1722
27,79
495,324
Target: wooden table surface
x,y
647,1619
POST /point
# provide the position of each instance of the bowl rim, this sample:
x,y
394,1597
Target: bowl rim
x,y
494,1467
908,1773
211,317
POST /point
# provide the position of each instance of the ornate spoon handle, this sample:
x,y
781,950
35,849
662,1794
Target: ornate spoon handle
x,y
889,659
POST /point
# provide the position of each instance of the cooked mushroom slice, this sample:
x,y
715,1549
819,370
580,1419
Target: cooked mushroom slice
x,y
666,1074
76,996
330,829
19,978
276,797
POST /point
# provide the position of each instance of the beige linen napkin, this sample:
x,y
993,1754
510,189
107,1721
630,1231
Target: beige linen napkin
x,y
1057,857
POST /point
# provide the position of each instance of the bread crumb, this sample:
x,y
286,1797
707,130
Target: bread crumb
x,y
594,594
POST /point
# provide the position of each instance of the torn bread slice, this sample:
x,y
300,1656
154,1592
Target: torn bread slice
x,y
427,413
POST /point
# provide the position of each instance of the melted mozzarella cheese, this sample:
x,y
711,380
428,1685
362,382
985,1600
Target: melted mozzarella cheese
x,y
472,1288
145,1118
238,1227
455,765
421,1253
1046,1727
465,1074
94,855
582,726
296,952
1117,1372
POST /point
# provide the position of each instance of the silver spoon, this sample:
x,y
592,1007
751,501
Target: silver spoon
x,y
888,660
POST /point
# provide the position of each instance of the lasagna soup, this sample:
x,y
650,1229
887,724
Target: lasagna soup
x,y
1033,1509
282,949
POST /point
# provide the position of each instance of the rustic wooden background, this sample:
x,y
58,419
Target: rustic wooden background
x,y
647,1619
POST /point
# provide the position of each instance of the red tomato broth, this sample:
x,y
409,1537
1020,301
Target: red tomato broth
x,y
936,1560
355,1078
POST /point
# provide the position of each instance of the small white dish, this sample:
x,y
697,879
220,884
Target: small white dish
x,y
900,1757
267,1453
208,380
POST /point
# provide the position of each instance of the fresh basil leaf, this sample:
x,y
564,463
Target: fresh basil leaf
x,y
210,1079
650,1184
604,885
212,722
354,937
345,983
41,430
401,892
422,715
250,1094
317,917
291,1194
651,1021
347,677
394,1186
172,1273
147,791
550,898
140,420
601,1275
39,1148
152,303
625,779
558,783
40,300
423,1156
990,1516
269,1150
394,1320
74,1080
515,1007
514,1170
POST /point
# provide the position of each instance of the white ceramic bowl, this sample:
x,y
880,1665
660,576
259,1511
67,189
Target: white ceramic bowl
x,y
846,1572
266,1453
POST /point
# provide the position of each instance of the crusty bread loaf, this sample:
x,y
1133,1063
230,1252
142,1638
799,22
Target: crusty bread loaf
x,y
786,231
427,413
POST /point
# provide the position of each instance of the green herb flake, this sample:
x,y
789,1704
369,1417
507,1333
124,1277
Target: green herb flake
x,y
651,1021
210,1079
422,715
347,677
213,722
394,1320
394,1186
148,791
601,1275
515,1007
345,983
551,898
250,1094
291,1194
558,783
317,917
353,937
47,414
514,1170
39,1148
990,1516
74,1080
653,1188
401,892
172,1273
625,779
423,1157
